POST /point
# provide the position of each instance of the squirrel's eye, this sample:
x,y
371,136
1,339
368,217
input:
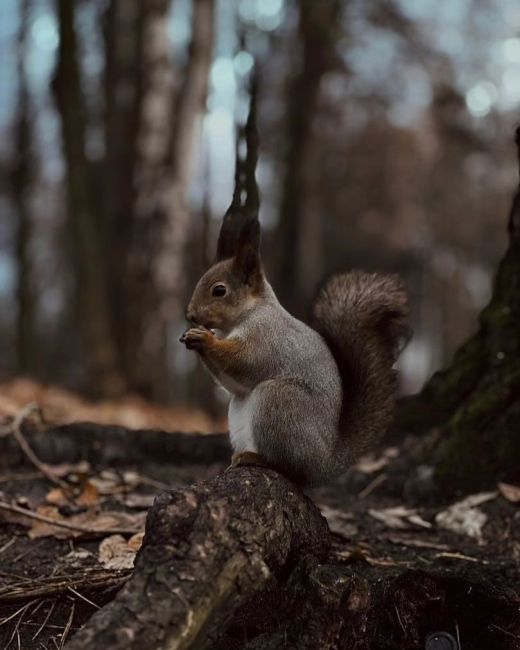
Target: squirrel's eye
x,y
219,290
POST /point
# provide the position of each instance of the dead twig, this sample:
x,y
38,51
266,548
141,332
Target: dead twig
x,y
18,611
67,627
16,430
76,593
63,524
16,627
372,486
51,586
45,620
7,545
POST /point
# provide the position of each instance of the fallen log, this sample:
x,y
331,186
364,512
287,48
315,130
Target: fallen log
x,y
115,446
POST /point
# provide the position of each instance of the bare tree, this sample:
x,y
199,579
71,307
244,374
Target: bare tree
x,y
160,225
475,402
92,291
21,179
299,229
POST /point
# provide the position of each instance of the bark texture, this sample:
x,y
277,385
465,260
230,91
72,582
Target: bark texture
x,y
246,561
208,549
21,179
92,289
300,229
167,126
475,403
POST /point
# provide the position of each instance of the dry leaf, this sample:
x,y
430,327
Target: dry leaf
x,y
116,553
399,517
464,517
88,496
139,501
369,464
56,497
91,519
510,492
340,522
66,469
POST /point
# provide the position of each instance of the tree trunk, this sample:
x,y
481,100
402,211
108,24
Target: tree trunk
x,y
318,33
21,178
123,85
92,285
475,403
161,180
208,549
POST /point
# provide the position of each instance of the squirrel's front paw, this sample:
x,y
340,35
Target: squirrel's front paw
x,y
196,338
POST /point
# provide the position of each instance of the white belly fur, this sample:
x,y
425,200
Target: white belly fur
x,y
240,416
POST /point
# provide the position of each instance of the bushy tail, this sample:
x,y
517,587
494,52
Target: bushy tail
x,y
362,317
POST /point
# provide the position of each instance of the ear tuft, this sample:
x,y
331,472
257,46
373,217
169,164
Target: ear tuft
x,y
246,263
229,234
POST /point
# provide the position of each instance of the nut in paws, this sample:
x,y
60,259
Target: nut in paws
x,y
196,338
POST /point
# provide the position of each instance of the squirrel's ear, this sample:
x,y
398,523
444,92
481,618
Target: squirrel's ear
x,y
228,236
246,262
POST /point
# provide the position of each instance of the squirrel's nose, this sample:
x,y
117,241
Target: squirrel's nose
x,y
190,315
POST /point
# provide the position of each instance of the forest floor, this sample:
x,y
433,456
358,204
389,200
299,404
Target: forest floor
x,y
387,518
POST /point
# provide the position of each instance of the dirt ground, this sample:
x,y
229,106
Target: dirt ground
x,y
388,517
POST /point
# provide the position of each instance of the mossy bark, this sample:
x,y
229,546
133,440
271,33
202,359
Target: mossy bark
x,y
475,403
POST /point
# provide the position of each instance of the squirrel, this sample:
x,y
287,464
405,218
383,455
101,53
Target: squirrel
x,y
305,400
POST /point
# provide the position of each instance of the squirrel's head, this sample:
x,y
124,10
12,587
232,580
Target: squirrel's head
x,y
235,283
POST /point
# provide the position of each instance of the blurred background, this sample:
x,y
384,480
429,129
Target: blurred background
x,y
386,130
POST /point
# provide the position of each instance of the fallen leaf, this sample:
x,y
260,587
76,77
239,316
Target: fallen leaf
x,y
369,464
91,519
56,497
87,496
340,522
460,556
138,501
464,517
417,543
399,517
66,469
116,553
510,492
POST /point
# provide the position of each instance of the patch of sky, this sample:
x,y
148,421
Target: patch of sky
x,y
180,27
481,98
371,58
416,95
267,15
219,135
42,49
511,13
450,40
48,135
511,50
445,11
243,63
223,84
510,88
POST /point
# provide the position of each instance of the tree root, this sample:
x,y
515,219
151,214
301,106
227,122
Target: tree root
x,y
245,561
207,550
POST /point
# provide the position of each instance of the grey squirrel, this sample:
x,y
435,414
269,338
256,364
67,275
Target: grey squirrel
x,y
307,401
